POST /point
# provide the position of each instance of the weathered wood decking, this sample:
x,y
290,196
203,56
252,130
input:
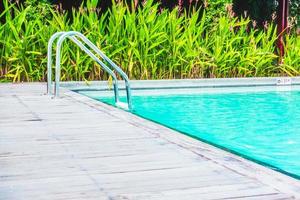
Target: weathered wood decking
x,y
78,148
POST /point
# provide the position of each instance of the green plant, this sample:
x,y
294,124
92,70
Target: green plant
x,y
147,42
291,64
295,13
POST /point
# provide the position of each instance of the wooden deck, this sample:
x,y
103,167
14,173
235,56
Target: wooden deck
x,y
77,148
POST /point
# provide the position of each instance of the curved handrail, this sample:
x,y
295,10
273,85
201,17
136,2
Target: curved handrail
x,y
113,65
49,60
49,64
71,35
105,67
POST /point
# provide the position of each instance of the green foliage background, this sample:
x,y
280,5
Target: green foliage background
x,y
263,10
148,43
295,11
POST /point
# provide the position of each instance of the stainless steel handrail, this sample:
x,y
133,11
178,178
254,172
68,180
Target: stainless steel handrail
x,y
49,65
49,60
72,36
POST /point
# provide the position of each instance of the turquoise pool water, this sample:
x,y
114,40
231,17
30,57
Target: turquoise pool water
x,y
262,126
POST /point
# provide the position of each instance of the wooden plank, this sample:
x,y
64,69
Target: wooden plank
x,y
228,191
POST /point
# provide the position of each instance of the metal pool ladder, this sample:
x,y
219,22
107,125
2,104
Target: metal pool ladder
x,y
74,36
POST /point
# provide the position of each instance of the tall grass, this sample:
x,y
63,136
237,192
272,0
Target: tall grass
x,y
147,42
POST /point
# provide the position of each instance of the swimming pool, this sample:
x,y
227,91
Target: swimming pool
x,y
259,123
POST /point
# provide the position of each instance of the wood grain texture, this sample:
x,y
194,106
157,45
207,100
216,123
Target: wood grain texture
x,y
77,148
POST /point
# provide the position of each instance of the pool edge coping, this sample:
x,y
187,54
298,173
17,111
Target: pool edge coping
x,y
185,83
228,160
